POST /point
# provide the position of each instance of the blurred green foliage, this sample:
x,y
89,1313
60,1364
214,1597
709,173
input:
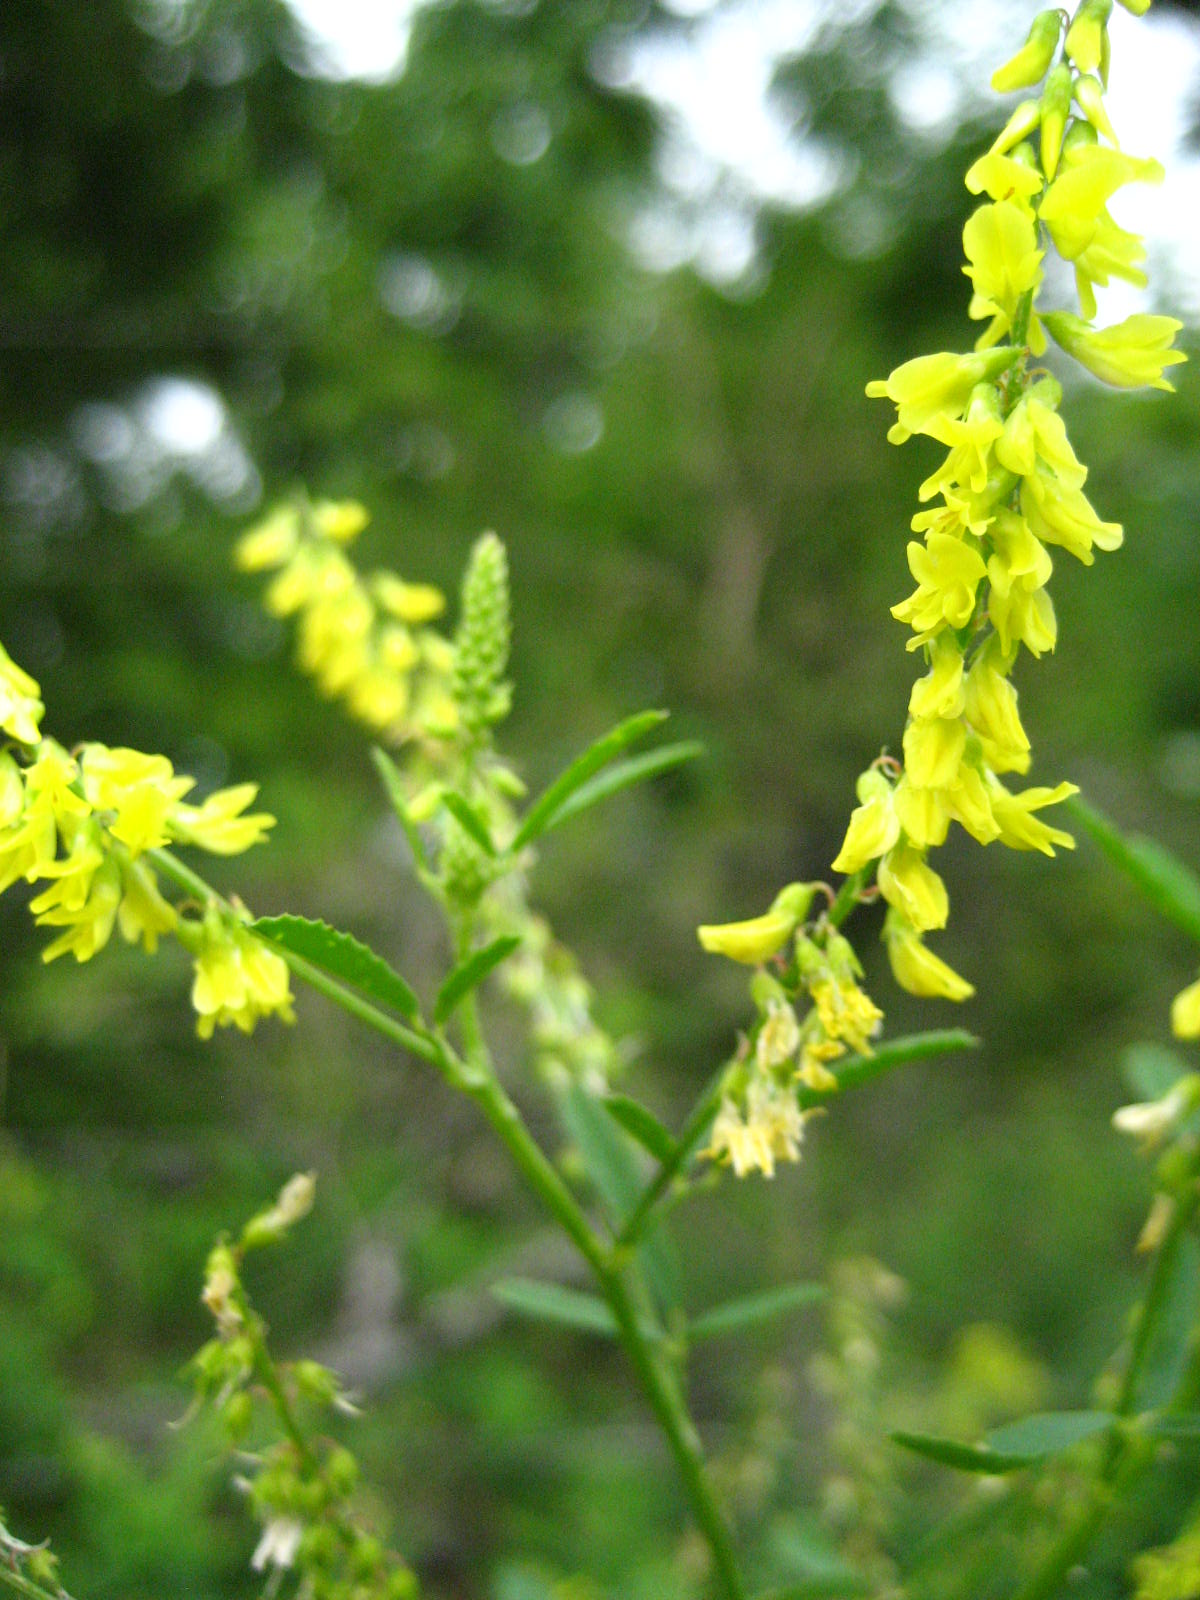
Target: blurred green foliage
x,y
419,292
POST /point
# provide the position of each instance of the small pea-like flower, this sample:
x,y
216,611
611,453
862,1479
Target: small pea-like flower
x,y
21,707
138,790
909,883
1085,36
770,1130
218,824
779,1035
1153,1121
1075,202
933,751
924,814
1023,616
754,941
270,543
237,980
1004,263
1129,355
1007,177
1020,829
1058,514
916,968
85,906
929,391
991,709
1034,431
948,572
279,1543
847,1014
940,692
874,826
969,463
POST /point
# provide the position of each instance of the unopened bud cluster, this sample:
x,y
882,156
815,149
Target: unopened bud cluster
x,y
301,1486
810,1011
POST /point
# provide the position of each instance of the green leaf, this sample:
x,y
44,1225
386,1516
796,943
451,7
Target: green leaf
x,y
550,1302
389,772
341,956
753,1309
471,821
623,774
1170,886
855,1071
615,1171
962,1457
1151,1070
1167,1356
641,1125
469,974
801,1550
544,812
1048,1433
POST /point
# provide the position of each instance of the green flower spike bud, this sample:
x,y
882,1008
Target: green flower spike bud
x,y
1128,355
1032,60
1056,108
1085,37
481,644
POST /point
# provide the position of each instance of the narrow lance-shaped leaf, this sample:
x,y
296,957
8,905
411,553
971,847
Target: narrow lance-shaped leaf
x,y
1169,885
641,1125
551,1302
469,820
623,774
753,1309
613,1167
962,1457
394,784
469,974
544,812
1048,1433
341,956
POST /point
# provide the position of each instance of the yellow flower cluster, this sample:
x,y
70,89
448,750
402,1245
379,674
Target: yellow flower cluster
x,y
759,1122
80,824
365,640
1010,487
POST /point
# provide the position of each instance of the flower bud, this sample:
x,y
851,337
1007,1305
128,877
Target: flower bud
x,y
1085,36
1055,109
1032,60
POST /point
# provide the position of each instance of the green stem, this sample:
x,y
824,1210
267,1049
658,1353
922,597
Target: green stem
x,y
20,1584
663,1394
1125,1456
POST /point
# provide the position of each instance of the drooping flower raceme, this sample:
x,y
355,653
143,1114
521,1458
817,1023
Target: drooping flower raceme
x,y
1011,488
80,824
1008,493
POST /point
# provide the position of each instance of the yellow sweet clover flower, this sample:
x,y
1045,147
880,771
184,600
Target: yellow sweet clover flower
x,y
909,883
916,968
1012,484
758,939
365,640
1003,264
769,1130
21,708
1129,355
81,827
874,826
237,979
